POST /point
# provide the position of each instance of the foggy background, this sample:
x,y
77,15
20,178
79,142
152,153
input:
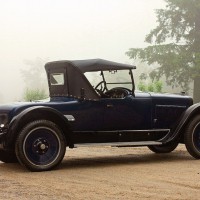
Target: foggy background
x,y
35,32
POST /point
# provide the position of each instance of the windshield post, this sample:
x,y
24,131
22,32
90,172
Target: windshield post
x,y
105,85
133,83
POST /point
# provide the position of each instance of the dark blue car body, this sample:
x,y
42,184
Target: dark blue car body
x,y
87,115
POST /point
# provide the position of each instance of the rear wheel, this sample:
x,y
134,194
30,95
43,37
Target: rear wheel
x,y
192,137
8,157
166,148
40,146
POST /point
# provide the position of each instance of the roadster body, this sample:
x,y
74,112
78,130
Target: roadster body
x,y
94,102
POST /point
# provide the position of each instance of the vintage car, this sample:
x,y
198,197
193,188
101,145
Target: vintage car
x,y
94,102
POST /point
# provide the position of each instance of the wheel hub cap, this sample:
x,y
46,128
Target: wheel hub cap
x,y
40,146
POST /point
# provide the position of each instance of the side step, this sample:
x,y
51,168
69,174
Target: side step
x,y
120,144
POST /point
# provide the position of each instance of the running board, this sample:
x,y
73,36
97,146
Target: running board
x,y
120,144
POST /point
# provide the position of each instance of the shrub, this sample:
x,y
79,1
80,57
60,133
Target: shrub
x,y
34,94
151,87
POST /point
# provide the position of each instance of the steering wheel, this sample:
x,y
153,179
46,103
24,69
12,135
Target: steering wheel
x,y
118,92
100,87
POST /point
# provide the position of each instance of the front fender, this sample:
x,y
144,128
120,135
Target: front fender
x,y
36,113
184,120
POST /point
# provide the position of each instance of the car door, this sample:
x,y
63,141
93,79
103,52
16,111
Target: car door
x,y
129,113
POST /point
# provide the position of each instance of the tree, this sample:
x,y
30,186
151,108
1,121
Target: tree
x,y
174,43
34,75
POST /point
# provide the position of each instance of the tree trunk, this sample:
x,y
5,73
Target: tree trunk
x,y
196,93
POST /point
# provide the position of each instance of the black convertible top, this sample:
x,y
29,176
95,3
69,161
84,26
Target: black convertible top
x,y
74,77
99,64
93,65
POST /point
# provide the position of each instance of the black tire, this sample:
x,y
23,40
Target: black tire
x,y
192,137
8,157
166,148
40,146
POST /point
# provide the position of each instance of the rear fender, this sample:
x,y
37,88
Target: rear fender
x,y
37,113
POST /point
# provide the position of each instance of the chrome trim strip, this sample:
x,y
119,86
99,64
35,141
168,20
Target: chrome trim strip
x,y
127,131
170,106
70,118
120,144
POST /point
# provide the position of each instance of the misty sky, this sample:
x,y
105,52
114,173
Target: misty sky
x,y
68,29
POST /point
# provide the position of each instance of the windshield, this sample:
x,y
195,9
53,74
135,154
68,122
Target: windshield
x,y
113,78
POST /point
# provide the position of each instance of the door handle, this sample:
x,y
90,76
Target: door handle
x,y
109,105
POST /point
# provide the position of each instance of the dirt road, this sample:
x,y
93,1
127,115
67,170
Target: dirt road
x,y
107,173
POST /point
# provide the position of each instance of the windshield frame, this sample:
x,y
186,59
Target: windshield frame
x,y
107,82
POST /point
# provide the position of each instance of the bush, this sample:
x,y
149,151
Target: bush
x,y
35,94
158,86
151,87
142,87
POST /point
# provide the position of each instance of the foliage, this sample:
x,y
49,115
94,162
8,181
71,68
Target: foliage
x,y
142,86
156,86
34,94
34,76
179,59
150,87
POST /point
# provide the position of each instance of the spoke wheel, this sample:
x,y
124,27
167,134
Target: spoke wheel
x,y
40,146
192,137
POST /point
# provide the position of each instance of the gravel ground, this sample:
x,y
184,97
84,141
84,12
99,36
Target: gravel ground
x,y
107,173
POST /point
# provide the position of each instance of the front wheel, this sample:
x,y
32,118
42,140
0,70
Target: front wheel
x,y
40,145
165,148
192,137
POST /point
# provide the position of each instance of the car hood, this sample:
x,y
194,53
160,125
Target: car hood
x,y
160,95
166,99
168,95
